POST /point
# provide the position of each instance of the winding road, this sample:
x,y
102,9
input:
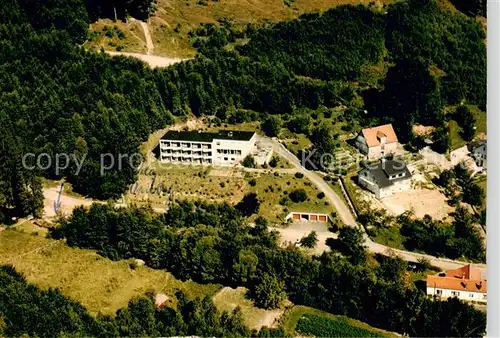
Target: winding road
x,y
294,232
347,218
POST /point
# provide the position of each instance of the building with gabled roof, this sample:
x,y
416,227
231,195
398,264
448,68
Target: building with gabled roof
x,y
385,177
377,142
478,152
465,283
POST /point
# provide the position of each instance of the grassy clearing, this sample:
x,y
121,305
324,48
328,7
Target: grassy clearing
x,y
116,36
307,321
272,188
228,299
456,141
295,142
188,182
100,284
389,236
481,126
170,24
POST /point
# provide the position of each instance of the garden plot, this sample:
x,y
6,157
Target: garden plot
x,y
191,183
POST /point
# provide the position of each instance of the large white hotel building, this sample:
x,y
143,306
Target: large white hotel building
x,y
223,148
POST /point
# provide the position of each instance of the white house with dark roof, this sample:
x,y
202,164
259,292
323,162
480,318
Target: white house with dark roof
x,y
224,148
385,177
478,152
377,142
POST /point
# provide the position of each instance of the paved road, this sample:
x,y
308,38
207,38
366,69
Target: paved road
x,y
342,210
347,218
293,234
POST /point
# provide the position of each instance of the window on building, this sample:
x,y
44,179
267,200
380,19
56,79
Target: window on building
x,y
455,293
484,296
471,295
439,292
225,158
238,152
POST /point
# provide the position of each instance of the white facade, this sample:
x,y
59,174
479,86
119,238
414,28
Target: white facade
x,y
378,151
217,151
465,295
479,155
398,182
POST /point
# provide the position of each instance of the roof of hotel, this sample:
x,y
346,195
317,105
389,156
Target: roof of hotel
x,y
466,278
199,136
372,135
466,271
385,168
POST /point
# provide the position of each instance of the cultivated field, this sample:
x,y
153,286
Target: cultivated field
x,y
306,321
100,284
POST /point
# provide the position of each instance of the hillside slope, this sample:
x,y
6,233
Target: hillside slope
x,y
173,19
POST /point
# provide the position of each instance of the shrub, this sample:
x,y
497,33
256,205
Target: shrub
x,y
299,175
298,195
274,161
285,201
248,162
252,182
321,195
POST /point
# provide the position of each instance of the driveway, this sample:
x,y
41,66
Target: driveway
x,y
347,218
342,210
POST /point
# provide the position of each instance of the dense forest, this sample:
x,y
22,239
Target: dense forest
x,y
58,98
25,310
212,243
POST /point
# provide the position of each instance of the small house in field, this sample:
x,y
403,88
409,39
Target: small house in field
x,y
385,177
465,283
377,142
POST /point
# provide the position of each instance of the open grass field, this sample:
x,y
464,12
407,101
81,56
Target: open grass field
x,y
481,127
227,299
306,321
117,36
174,19
100,284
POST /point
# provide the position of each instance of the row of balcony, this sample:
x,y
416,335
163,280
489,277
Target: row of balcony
x,y
165,145
175,159
187,153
